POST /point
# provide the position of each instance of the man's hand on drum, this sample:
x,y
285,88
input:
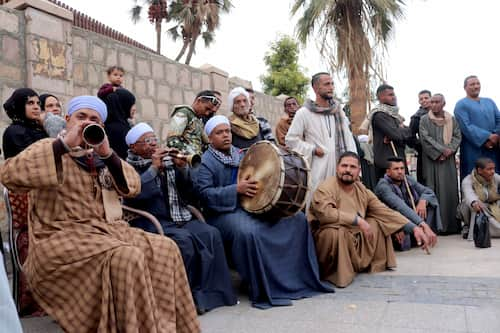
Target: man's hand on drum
x,y
247,187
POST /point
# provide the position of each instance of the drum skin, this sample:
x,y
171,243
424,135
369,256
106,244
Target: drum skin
x,y
282,180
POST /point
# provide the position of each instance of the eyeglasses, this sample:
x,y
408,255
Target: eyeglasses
x,y
214,100
149,140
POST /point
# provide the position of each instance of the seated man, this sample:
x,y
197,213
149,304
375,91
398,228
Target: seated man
x,y
164,180
352,227
275,258
480,192
392,190
86,267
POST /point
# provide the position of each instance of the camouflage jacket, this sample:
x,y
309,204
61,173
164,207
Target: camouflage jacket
x,y
185,131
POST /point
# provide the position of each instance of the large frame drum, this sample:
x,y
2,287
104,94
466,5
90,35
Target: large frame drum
x,y
282,176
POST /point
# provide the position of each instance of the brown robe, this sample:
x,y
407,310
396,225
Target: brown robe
x,y
91,273
282,128
341,247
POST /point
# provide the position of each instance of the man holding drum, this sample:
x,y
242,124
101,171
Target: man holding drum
x,y
320,130
275,257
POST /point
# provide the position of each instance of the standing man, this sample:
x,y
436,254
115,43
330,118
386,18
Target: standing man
x,y
479,121
386,129
265,126
185,130
440,138
424,99
291,106
352,229
320,131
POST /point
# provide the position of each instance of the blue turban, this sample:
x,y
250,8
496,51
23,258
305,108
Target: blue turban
x,y
214,122
88,102
136,132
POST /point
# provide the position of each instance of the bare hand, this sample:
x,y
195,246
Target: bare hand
x,y
247,187
477,206
366,229
73,137
157,157
319,152
421,209
387,140
493,138
400,236
447,153
103,149
421,237
429,233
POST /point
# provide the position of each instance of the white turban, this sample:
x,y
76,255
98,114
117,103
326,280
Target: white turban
x,y
235,93
136,132
88,102
214,122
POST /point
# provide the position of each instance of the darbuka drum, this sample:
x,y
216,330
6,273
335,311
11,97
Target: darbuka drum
x,y
282,180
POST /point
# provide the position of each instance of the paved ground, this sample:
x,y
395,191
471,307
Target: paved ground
x,y
456,289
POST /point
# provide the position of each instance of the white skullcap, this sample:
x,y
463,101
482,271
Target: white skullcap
x,y
136,132
214,122
363,138
235,93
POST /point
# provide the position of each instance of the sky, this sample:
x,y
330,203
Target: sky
x,y
435,46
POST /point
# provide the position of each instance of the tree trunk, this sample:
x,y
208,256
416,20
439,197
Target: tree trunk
x,y
158,36
358,91
192,47
183,50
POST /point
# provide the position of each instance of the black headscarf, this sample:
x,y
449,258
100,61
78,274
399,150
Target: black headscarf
x,y
119,104
43,97
15,106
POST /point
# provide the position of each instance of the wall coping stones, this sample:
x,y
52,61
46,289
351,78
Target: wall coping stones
x,y
43,6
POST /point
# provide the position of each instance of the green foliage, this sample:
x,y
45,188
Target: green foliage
x,y
284,75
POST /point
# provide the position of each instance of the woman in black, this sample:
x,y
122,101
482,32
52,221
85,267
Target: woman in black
x,y
23,107
121,107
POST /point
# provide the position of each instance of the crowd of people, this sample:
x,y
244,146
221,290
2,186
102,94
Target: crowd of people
x,y
91,271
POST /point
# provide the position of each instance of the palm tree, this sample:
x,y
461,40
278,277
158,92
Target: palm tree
x,y
353,34
195,18
157,12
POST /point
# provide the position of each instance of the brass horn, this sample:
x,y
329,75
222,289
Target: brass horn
x,y
93,135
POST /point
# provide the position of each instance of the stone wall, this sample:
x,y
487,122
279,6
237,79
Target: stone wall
x,y
42,49
12,55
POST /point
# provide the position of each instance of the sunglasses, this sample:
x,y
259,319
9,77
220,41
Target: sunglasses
x,y
214,100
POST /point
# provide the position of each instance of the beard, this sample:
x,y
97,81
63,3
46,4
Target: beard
x,y
326,96
346,181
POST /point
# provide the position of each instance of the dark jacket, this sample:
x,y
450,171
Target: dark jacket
x,y
386,126
153,200
18,136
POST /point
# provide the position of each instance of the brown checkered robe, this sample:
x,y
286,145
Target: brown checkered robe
x,y
90,275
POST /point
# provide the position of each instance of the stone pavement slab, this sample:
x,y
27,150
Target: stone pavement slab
x,y
455,289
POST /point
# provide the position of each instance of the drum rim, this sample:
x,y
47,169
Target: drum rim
x,y
279,191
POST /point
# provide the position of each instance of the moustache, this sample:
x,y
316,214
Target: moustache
x,y
347,174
